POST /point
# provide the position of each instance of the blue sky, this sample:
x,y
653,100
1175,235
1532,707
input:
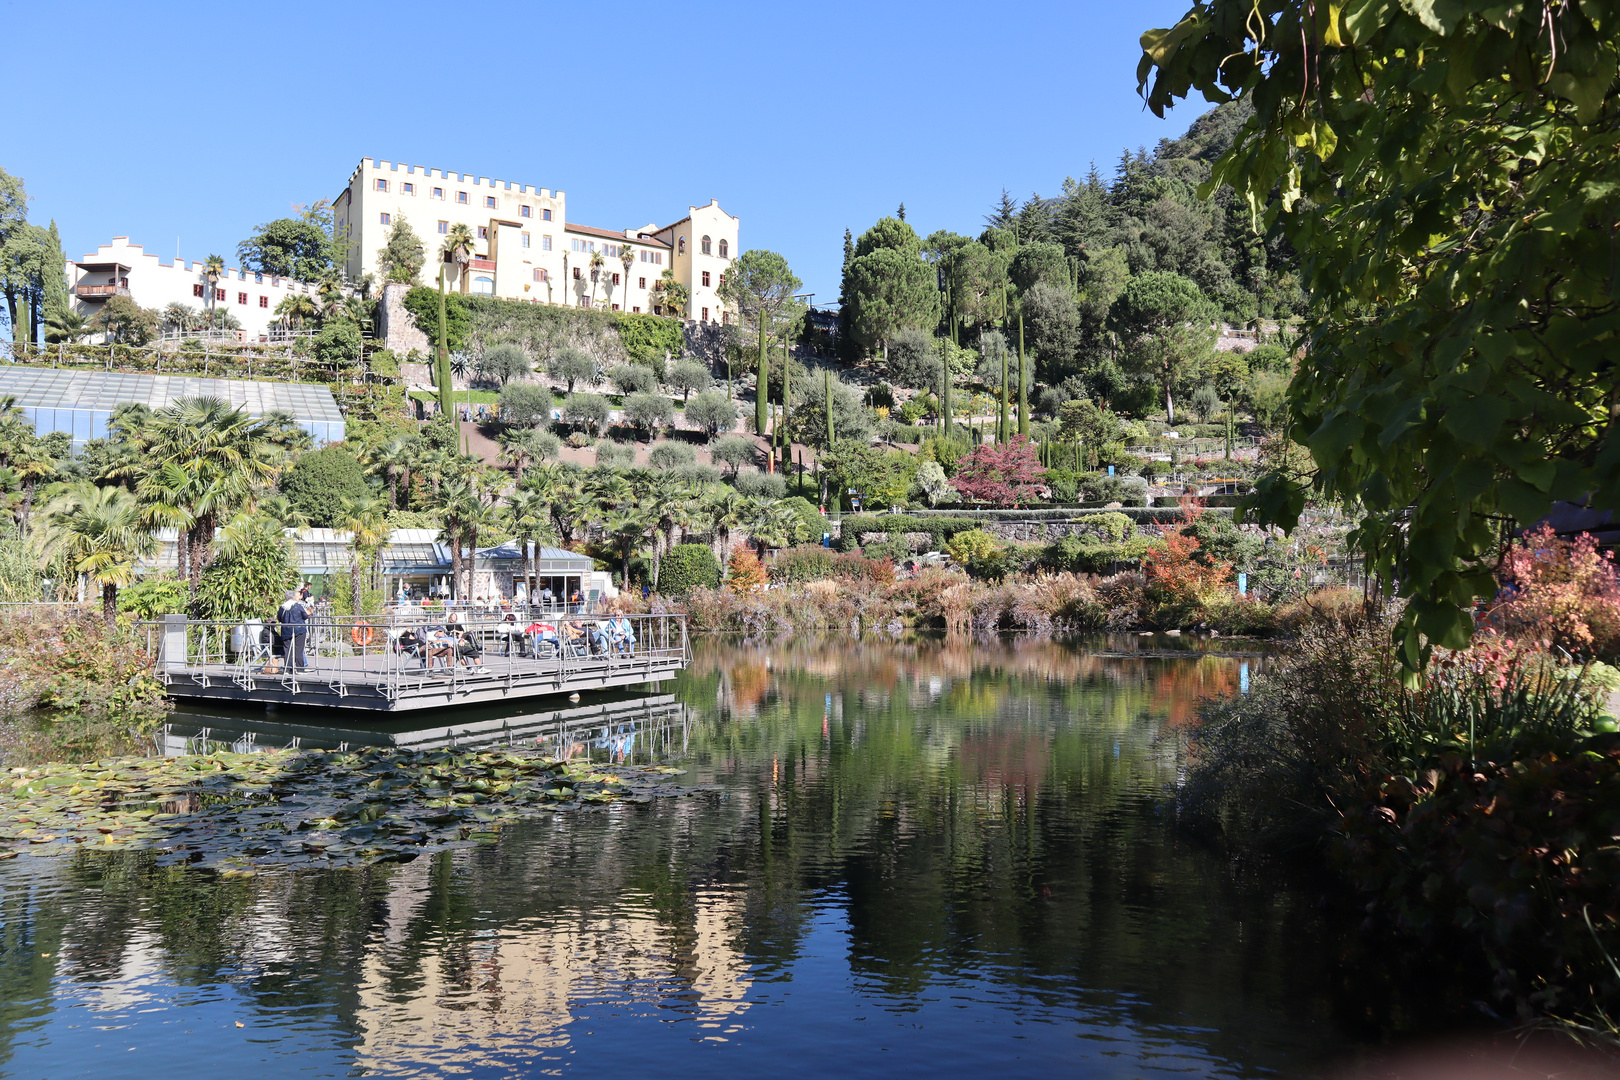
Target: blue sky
x,y
197,122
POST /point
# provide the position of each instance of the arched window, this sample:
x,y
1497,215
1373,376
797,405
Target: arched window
x,y
725,250
706,250
484,286
680,246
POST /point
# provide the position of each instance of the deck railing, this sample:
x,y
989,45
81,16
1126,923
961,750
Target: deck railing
x,y
345,655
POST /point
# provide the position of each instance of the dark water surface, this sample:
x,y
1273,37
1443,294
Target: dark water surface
x,y
927,859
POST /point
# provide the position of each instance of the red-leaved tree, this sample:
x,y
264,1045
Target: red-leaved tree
x,y
1006,474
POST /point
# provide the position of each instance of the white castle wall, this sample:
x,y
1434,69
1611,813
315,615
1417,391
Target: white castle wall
x,y
251,297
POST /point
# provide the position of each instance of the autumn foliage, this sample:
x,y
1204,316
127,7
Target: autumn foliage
x,y
1178,569
1005,474
1566,592
744,572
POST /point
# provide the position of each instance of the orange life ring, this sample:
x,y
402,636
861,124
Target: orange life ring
x,y
363,635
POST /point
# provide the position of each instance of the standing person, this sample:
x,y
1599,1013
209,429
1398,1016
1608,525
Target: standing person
x,y
545,597
294,619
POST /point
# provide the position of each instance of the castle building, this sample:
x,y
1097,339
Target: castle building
x,y
527,249
125,269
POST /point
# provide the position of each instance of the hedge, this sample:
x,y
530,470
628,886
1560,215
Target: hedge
x,y
1138,514
646,338
686,567
1209,501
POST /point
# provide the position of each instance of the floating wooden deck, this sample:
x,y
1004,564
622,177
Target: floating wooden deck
x,y
352,665
621,727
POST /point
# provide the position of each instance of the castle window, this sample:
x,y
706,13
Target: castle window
x,y
577,274
385,219
483,286
725,250
219,295
643,283
489,201
197,290
410,189
483,232
705,279
615,279
539,274
241,298
523,211
525,239
545,243
615,307
382,185
264,301
545,215
706,250
636,309
438,193
705,314
444,227
680,246
461,197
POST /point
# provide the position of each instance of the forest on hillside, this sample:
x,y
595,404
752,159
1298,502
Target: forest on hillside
x,y
1110,291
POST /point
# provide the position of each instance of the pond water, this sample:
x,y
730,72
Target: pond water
x,y
923,858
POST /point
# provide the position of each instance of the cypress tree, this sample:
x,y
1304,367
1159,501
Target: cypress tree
x,y
1023,387
443,367
827,404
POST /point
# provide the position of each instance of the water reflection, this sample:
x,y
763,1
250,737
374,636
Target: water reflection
x,y
925,856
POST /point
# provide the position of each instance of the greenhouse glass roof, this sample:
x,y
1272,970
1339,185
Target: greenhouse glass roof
x,y
80,402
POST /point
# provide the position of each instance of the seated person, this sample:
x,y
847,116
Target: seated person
x,y
573,635
437,645
407,643
544,636
467,648
624,635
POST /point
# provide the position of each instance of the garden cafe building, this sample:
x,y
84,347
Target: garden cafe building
x,y
416,564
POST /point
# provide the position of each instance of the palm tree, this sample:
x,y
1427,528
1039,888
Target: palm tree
x,y
459,247
295,308
529,515
726,511
670,497
672,295
392,458
598,260
571,509
99,532
628,258
33,463
362,518
458,496
517,449
279,508
210,459
67,325
773,525
478,518
627,529
213,270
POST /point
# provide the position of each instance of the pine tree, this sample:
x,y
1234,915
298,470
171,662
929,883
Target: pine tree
x,y
901,213
1004,214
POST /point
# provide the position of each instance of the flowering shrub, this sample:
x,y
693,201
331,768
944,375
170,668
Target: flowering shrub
x,y
1566,592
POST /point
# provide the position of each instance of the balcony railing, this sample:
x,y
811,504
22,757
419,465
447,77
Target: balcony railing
x,y
100,292
481,264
